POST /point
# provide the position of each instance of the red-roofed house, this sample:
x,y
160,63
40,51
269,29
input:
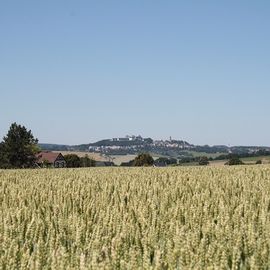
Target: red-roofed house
x,y
56,160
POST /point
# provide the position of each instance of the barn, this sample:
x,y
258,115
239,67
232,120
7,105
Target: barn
x,y
51,159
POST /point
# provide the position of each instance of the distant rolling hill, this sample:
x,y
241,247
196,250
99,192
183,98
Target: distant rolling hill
x,y
170,148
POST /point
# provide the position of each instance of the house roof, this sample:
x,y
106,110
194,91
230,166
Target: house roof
x,y
47,156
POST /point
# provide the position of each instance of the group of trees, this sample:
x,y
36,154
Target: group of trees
x,y
147,160
243,155
142,160
163,161
74,161
234,160
203,160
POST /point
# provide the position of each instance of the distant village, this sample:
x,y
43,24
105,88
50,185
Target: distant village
x,y
137,143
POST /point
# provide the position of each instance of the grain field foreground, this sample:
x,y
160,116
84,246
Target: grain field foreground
x,y
145,218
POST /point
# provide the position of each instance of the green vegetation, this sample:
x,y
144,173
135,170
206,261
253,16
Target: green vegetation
x,y
18,148
234,160
143,160
74,161
121,143
163,161
87,162
203,161
254,159
203,154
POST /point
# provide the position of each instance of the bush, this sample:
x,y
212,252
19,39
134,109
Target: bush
x,y
87,162
186,160
143,160
163,161
127,164
73,161
234,160
203,161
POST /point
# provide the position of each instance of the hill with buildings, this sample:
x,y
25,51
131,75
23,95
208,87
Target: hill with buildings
x,y
130,145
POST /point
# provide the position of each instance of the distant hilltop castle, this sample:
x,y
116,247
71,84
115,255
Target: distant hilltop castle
x,y
128,138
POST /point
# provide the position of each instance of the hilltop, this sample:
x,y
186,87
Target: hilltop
x,y
131,145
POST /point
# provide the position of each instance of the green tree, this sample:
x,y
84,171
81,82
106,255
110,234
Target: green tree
x,y
19,148
73,161
87,162
143,160
203,161
46,164
3,157
163,161
234,160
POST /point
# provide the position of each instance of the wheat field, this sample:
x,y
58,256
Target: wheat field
x,y
135,218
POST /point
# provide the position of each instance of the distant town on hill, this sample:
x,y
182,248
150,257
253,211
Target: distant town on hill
x,y
137,144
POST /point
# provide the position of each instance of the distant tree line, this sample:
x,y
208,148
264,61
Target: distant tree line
x,y
121,143
232,159
147,160
258,153
203,160
53,147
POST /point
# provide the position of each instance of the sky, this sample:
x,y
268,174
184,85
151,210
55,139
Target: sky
x,y
79,71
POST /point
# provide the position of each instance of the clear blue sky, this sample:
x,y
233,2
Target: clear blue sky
x,y
78,71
